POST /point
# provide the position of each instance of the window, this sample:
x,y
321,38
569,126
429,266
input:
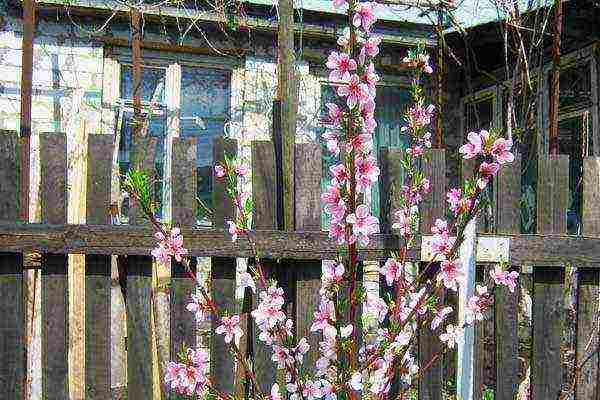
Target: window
x,y
153,122
205,105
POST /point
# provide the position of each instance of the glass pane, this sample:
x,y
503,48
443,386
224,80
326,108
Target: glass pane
x,y
153,84
480,115
575,86
205,107
572,140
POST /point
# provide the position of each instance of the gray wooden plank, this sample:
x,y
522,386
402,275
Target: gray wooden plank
x,y
53,199
391,179
98,272
9,176
184,182
140,381
223,271
588,383
264,191
12,325
183,324
508,221
433,206
548,313
307,186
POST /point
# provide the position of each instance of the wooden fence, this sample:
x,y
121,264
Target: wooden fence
x,y
296,262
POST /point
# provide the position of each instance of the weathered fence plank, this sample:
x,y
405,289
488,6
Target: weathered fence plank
x,y
140,366
433,206
222,273
53,195
587,385
183,324
508,221
11,275
307,184
548,314
264,192
98,272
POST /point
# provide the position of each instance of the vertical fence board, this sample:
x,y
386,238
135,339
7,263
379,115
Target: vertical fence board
x,y
140,347
307,184
9,176
183,323
11,275
11,325
433,206
223,271
264,193
98,272
589,289
508,221
548,310
53,195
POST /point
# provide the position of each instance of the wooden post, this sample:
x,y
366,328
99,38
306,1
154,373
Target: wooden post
x,y
464,371
284,123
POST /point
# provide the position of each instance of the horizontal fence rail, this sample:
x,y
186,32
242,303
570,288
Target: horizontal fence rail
x,y
158,324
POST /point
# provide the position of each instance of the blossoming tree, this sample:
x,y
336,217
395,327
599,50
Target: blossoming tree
x,y
346,369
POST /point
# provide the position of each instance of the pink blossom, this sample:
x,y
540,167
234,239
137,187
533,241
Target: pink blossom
x,y
439,226
196,306
281,356
334,204
332,141
230,327
367,173
339,172
275,395
162,255
501,151
403,221
370,77
337,231
364,16
242,170
169,246
487,170
341,66
346,331
440,316
418,117
367,110
234,230
418,60
453,197
505,278
473,147
323,316
370,48
451,274
198,357
363,224
392,270
376,306
245,281
335,113
355,92
356,381
416,151
339,3
311,390
452,336
361,143
333,271
219,171
476,305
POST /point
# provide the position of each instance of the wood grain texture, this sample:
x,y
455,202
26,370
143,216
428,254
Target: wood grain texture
x,y
97,326
588,383
12,324
307,278
183,323
508,220
98,272
98,178
54,327
548,283
53,178
140,384
53,201
184,182
264,192
433,167
391,179
223,272
9,176
143,154
223,292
